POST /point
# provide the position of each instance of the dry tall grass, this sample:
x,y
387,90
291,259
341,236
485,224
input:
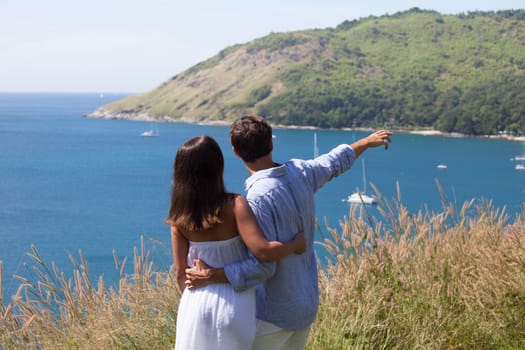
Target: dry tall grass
x,y
448,280
54,312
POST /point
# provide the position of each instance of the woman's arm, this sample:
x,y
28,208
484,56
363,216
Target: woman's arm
x,y
253,237
179,245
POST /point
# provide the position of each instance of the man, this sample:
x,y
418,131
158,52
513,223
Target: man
x,y
282,199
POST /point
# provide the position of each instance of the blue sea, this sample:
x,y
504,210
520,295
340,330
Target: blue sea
x,y
71,184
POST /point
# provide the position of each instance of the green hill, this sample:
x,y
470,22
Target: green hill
x,y
414,69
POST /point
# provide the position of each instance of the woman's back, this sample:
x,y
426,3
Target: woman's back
x,y
221,231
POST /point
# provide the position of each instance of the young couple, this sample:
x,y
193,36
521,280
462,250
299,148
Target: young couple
x,y
211,228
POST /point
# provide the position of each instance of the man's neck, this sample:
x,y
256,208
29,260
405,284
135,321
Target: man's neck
x,y
262,163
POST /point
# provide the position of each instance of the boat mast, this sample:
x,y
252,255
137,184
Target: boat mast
x,y
316,148
364,175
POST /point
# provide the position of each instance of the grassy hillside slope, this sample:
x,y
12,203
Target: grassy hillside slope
x,y
463,73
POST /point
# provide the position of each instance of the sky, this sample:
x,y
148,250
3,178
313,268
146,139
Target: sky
x,y
131,46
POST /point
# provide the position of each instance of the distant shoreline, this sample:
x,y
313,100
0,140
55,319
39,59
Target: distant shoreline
x,y
456,134
144,117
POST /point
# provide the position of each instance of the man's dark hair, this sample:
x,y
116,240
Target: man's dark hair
x,y
251,137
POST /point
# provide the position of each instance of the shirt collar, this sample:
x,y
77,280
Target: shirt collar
x,y
277,171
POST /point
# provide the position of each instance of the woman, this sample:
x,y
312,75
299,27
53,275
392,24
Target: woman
x,y
213,225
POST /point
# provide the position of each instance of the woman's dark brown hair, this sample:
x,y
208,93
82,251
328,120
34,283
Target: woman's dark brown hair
x,y
198,191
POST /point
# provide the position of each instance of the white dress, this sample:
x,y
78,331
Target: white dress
x,y
215,316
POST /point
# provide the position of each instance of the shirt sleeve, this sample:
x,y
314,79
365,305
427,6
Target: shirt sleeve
x,y
324,168
251,271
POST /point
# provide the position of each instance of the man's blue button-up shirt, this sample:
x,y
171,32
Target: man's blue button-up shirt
x,y
282,199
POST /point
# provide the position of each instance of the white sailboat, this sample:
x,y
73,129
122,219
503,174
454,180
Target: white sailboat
x,y
151,132
359,197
